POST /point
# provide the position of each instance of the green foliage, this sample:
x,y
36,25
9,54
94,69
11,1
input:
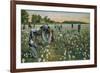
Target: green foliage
x,y
74,22
24,17
36,19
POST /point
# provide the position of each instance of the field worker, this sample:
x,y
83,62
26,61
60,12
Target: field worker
x,y
72,26
45,28
79,27
46,33
32,43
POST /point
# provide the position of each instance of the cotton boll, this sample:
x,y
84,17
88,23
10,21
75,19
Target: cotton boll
x,y
23,60
39,60
60,35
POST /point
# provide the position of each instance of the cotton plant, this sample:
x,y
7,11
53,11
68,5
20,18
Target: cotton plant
x,y
67,45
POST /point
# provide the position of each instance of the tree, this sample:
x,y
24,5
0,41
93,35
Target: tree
x,y
36,19
46,19
24,18
39,19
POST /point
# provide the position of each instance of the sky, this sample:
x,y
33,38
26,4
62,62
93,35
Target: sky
x,y
60,16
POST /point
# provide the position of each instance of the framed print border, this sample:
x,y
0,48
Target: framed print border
x,y
13,35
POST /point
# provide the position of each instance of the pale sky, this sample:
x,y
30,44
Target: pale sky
x,y
62,16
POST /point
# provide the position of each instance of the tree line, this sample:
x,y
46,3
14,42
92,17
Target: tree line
x,y
35,19
38,19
